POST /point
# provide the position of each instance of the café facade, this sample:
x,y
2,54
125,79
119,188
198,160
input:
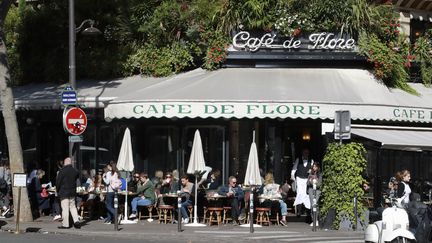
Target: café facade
x,y
286,89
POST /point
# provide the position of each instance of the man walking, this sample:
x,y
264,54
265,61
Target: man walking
x,y
66,189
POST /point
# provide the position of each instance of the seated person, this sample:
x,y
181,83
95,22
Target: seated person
x,y
214,180
146,194
273,191
235,196
186,194
168,186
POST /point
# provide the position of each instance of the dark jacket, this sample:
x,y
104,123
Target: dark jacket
x,y
66,182
238,192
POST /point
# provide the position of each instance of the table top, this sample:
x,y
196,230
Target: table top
x,y
217,196
170,195
268,197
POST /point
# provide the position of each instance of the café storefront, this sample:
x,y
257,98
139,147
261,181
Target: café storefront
x,y
284,89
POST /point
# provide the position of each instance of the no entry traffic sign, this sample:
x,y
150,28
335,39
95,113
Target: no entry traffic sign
x,y
74,120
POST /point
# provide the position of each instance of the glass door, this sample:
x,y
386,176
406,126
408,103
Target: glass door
x,y
214,147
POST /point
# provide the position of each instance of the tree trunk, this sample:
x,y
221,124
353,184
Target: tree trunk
x,y
10,120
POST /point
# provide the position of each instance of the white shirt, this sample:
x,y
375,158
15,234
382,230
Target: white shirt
x,y
294,168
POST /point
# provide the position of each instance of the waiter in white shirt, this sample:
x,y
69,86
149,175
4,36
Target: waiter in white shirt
x,y
300,173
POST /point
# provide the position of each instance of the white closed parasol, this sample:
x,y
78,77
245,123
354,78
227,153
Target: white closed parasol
x,y
125,163
196,166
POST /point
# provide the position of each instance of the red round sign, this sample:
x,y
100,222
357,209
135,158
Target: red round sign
x,y
74,121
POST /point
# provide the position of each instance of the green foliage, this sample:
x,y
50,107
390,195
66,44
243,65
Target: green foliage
x,y
342,180
251,14
216,50
155,61
391,60
422,50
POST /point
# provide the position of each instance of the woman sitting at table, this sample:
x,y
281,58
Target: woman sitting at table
x,y
214,180
272,191
95,197
146,194
168,186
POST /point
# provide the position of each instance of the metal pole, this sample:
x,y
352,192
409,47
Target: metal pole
x,y
179,229
355,211
340,128
116,211
314,209
251,210
17,230
72,44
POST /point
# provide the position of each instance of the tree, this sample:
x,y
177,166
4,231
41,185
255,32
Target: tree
x,y
9,117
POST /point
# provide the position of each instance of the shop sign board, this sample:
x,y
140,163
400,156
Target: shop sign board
x,y
281,110
315,41
74,121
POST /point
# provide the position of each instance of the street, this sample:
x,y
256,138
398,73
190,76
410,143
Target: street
x,y
189,236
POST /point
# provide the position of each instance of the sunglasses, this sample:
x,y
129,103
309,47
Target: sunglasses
x,y
167,176
234,182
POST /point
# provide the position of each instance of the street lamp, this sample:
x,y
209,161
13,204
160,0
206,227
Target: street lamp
x,y
72,34
72,68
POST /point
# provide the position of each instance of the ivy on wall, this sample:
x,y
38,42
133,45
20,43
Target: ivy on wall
x,y
342,179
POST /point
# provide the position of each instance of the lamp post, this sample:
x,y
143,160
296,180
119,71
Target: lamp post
x,y
72,34
72,67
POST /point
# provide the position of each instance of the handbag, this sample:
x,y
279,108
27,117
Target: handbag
x,y
44,192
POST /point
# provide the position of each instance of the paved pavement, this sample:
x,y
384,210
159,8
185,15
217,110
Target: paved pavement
x,y
154,232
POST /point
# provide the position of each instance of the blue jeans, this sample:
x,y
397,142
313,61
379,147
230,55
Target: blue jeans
x,y
183,209
109,204
283,207
138,201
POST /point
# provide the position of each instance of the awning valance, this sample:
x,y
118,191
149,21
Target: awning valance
x,y
272,93
412,139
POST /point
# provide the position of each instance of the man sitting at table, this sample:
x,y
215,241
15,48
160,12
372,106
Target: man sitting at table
x,y
186,194
145,192
235,195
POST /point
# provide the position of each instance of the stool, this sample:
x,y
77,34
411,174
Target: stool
x,y
205,216
214,215
275,219
190,209
166,213
263,216
226,218
150,209
84,210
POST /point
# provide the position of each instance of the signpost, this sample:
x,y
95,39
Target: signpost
x,y
342,125
19,180
69,96
74,123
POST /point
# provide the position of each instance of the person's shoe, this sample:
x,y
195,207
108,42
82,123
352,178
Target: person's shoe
x,y
317,224
107,221
63,227
132,216
5,212
242,216
77,225
185,221
283,223
57,217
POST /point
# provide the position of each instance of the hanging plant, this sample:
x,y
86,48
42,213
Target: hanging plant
x,y
391,61
423,55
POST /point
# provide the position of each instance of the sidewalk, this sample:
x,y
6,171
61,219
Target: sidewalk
x,y
45,225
